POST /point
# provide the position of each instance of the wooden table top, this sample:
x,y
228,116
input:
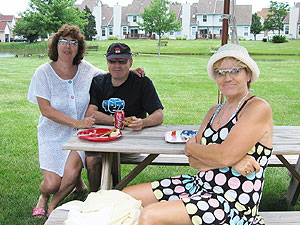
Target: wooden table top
x,y
286,141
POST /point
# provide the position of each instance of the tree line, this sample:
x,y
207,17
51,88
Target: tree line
x,y
44,17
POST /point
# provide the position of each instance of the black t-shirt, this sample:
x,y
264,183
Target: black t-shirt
x,y
136,96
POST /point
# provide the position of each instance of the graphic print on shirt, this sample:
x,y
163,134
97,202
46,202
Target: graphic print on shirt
x,y
112,105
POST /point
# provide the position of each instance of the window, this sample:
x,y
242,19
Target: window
x,y
246,32
110,31
286,29
134,18
204,18
194,30
103,32
220,19
178,33
299,30
124,30
171,32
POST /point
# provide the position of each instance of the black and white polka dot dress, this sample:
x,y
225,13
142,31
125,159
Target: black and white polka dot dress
x,y
219,196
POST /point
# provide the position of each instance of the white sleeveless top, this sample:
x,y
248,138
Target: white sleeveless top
x,y
70,97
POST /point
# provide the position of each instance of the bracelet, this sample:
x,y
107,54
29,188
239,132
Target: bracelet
x,y
75,123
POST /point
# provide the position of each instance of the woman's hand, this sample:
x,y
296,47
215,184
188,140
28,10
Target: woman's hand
x,y
190,142
86,122
246,166
140,72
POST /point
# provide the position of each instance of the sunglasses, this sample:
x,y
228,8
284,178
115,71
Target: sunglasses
x,y
113,61
234,71
65,42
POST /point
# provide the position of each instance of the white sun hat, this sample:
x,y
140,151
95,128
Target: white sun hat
x,y
235,51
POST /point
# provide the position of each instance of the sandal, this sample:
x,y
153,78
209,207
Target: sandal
x,y
39,212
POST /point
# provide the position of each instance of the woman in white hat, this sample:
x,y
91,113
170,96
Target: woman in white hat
x,y
230,151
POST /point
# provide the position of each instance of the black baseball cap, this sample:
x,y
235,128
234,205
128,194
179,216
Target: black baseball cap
x,y
118,51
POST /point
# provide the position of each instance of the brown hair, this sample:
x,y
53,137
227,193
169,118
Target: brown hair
x,y
218,63
64,31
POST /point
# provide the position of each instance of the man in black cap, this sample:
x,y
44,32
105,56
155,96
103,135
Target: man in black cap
x,y
121,89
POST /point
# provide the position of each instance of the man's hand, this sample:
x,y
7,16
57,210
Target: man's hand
x,y
136,124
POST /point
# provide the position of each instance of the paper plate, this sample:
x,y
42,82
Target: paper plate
x,y
179,136
95,133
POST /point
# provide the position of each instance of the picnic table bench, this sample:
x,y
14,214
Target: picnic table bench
x,y
58,216
163,43
92,48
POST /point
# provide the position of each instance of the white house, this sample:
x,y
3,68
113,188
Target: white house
x,y
7,23
199,20
291,28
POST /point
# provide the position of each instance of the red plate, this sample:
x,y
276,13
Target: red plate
x,y
95,133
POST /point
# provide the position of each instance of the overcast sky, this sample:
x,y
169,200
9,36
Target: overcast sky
x,y
13,7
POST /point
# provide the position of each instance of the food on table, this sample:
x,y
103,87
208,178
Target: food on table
x,y
115,133
128,120
108,133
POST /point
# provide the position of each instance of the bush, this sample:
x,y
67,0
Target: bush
x,y
178,38
279,39
165,38
113,38
184,38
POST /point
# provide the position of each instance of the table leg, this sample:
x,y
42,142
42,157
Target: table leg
x,y
106,178
293,191
135,171
116,168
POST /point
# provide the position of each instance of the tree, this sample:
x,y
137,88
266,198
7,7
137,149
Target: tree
x,y
47,16
278,12
256,26
90,28
27,29
159,19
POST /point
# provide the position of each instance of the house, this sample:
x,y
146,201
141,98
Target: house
x,y
199,20
291,27
206,19
7,23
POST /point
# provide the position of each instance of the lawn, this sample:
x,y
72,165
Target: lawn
x,y
186,93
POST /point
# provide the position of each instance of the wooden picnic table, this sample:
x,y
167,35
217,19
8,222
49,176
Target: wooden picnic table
x,y
286,141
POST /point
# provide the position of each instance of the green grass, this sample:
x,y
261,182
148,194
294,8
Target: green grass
x,y
186,93
203,47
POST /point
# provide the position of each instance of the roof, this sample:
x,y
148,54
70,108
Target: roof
x,y
263,13
194,9
6,17
177,9
107,15
243,14
89,3
137,7
3,25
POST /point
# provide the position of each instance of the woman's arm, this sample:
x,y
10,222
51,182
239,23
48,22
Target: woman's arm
x,y
61,118
100,118
254,124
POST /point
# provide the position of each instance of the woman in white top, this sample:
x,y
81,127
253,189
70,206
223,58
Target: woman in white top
x,y
61,89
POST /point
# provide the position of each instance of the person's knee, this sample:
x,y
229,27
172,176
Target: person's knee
x,y
51,186
147,216
127,190
92,162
